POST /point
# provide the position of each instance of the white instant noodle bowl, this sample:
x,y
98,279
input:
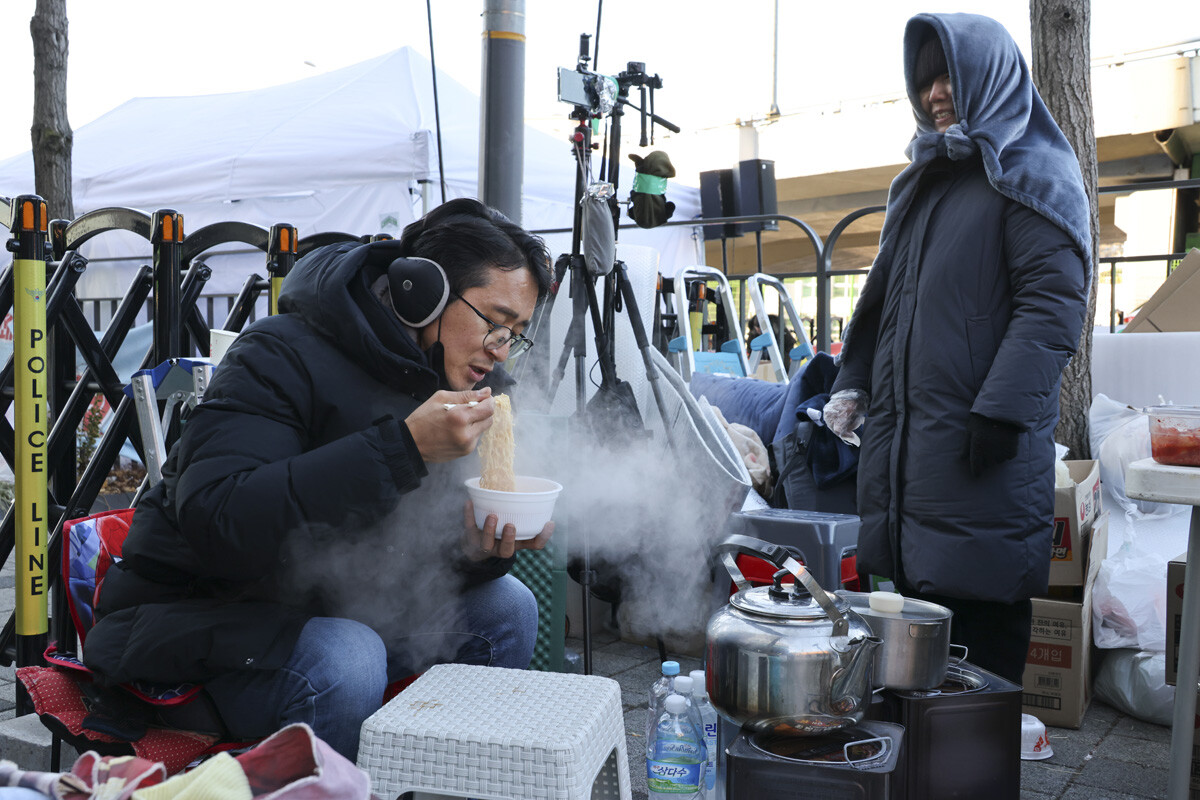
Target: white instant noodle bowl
x,y
1035,746
529,508
524,501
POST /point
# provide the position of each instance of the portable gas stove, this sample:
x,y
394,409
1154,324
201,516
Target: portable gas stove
x,y
853,762
962,739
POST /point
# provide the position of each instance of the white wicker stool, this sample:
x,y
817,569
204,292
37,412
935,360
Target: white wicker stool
x,y
499,734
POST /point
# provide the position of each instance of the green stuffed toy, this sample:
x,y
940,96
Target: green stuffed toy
x,y
648,205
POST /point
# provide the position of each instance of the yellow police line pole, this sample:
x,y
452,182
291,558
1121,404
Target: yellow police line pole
x,y
30,415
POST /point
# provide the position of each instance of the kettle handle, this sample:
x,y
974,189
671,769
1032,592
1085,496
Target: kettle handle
x,y
781,557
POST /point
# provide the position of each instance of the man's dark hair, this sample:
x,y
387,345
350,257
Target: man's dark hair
x,y
468,239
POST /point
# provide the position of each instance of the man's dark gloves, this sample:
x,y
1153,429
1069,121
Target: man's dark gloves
x,y
989,442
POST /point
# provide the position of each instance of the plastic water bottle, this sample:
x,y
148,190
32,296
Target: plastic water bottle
x,y
684,686
708,722
658,692
676,758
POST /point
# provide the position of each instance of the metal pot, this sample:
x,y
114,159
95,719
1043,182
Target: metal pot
x,y
787,659
916,638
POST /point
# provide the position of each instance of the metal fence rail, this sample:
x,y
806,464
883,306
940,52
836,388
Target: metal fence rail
x,y
827,269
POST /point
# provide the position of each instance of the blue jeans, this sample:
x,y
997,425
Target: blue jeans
x,y
339,669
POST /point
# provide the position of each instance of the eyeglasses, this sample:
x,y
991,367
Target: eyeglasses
x,y
498,335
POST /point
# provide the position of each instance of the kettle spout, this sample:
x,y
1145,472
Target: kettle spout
x,y
851,684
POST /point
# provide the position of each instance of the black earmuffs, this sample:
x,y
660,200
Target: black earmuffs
x,y
419,290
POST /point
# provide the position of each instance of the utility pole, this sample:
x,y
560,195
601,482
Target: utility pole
x,y
502,107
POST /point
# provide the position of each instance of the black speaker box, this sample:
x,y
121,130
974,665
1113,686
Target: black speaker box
x,y
755,180
719,198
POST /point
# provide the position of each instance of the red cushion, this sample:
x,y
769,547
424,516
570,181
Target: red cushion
x,y
56,694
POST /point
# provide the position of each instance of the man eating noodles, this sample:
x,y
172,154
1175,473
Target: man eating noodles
x,y
311,541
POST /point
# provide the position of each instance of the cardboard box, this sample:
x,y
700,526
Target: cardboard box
x,y
1074,510
1057,685
1173,306
1175,571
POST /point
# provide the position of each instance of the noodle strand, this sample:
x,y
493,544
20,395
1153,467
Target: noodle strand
x,y
496,449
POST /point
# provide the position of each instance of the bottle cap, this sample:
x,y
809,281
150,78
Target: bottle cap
x,y
698,686
683,685
675,704
670,668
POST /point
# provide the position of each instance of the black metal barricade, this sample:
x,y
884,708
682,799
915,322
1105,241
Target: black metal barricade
x,y
59,399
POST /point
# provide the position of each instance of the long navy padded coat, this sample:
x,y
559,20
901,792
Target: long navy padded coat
x,y
983,309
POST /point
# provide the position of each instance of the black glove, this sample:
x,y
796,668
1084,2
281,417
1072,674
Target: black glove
x,y
989,442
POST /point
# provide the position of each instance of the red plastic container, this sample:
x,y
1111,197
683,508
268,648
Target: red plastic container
x,y
1175,435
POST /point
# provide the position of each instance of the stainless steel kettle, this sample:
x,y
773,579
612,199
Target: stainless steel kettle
x,y
789,659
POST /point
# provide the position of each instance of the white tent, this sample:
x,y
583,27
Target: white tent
x,y
343,151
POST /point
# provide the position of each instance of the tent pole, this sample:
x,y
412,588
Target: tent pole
x,y
426,205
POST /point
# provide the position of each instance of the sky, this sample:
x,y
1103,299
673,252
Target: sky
x,y
715,59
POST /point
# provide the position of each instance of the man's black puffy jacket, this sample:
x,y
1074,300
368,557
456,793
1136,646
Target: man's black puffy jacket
x,y
294,491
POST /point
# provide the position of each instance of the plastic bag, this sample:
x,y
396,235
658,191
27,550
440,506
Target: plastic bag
x,y
1128,602
1062,475
1120,435
1135,682
1129,606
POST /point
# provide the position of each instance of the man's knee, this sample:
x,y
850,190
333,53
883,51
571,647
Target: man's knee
x,y
519,609
350,653
515,646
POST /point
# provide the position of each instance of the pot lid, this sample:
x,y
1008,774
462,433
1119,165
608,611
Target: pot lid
x,y
912,609
790,605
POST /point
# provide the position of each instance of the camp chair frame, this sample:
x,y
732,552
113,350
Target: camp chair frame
x,y
730,357
767,339
175,383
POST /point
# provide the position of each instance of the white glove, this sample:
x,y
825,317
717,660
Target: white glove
x,y
844,413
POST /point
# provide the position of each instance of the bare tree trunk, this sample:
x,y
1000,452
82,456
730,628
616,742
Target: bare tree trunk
x,y
51,132
1062,58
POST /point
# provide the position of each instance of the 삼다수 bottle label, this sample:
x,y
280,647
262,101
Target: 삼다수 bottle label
x,y
666,777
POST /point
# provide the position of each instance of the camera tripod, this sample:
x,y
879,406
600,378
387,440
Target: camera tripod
x,y
614,406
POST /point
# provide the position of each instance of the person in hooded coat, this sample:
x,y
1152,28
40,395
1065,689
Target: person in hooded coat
x,y
971,310
311,540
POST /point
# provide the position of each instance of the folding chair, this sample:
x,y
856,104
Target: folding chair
x,y
77,709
